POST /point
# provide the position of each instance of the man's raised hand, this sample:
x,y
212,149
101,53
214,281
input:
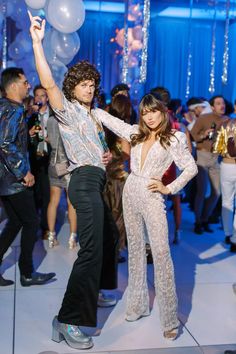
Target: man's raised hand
x,y
37,28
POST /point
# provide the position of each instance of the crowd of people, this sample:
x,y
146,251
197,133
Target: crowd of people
x,y
117,171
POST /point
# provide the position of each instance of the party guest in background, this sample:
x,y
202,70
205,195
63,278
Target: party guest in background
x,y
58,183
16,180
208,166
226,147
198,106
39,152
86,149
123,89
229,191
121,108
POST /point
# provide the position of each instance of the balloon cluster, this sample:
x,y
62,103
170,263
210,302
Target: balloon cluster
x,y
134,38
135,33
61,42
133,43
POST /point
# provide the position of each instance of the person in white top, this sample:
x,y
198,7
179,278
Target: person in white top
x,y
197,106
154,146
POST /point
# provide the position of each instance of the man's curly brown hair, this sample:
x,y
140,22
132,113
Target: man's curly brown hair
x,y
79,72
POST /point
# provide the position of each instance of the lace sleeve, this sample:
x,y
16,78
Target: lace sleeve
x,y
117,126
183,160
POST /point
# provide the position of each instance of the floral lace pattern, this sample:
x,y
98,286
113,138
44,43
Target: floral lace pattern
x,y
145,211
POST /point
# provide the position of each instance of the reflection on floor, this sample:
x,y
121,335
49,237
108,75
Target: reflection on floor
x,y
205,271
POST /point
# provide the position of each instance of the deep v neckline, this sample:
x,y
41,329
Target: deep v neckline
x,y
141,165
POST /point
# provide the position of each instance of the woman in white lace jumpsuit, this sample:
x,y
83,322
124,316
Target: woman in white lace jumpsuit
x,y
144,206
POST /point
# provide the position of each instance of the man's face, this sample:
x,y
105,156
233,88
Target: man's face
x,y
84,92
219,106
41,96
196,111
22,87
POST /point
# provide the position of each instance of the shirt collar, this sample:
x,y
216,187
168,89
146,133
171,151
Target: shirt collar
x,y
15,102
83,108
45,113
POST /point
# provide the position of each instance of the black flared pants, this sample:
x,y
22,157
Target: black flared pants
x,y
96,265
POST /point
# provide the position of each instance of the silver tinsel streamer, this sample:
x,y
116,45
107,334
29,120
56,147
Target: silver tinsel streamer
x,y
145,29
4,32
125,68
224,76
213,55
189,65
99,53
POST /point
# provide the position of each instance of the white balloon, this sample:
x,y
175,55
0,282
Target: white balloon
x,y
20,11
48,50
66,16
24,39
20,15
57,67
10,8
65,45
16,51
58,71
66,60
36,4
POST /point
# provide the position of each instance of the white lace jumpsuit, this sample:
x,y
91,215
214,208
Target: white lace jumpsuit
x,y
145,209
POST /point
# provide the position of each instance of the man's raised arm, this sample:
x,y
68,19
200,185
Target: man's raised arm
x,y
37,30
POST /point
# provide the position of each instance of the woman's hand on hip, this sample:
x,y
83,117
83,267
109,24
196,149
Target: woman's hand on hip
x,y
156,185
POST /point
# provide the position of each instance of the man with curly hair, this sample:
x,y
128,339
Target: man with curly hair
x,y
83,138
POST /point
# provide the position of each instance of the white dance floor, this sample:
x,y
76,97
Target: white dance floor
x,y
204,269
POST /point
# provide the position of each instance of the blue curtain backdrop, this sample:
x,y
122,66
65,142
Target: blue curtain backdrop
x,y
168,53
101,27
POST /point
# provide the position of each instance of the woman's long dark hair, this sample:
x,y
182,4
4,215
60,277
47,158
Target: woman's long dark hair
x,y
152,103
121,108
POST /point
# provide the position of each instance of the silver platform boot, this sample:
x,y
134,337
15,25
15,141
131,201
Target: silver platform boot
x,y
73,336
